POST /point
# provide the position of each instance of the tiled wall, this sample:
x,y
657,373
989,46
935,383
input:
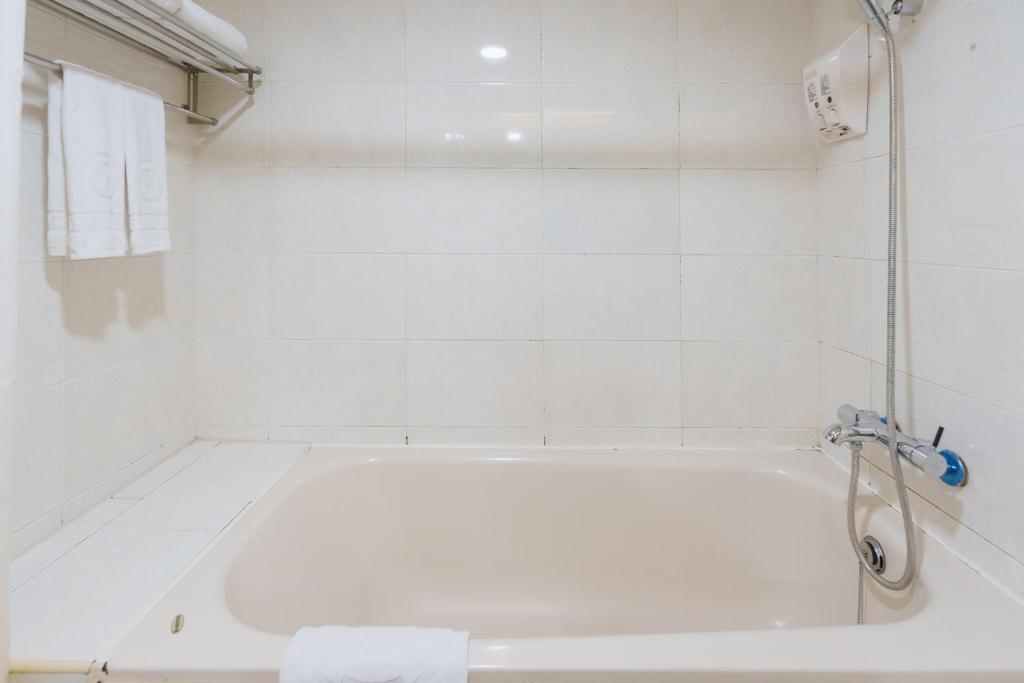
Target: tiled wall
x,y
961,284
106,352
605,237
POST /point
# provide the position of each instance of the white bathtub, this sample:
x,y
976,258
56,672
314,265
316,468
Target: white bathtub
x,y
577,565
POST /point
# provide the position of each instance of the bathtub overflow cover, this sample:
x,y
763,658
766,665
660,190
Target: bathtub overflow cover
x,y
873,553
177,623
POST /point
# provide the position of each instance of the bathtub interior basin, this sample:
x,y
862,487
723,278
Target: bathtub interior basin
x,y
509,547
572,564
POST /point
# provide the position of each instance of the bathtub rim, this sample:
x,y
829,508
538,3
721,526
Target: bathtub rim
x,y
793,651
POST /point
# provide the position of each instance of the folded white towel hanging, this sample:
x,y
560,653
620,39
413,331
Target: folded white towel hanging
x,y
146,171
340,654
56,192
168,5
92,139
209,23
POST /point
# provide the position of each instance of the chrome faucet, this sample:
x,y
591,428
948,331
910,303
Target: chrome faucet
x,y
857,426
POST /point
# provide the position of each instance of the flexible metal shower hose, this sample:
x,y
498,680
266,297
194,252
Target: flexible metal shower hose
x,y
907,577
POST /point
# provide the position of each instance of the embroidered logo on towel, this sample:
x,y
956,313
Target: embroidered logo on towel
x,y
150,186
99,171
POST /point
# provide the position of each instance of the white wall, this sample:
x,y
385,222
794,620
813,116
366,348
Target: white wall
x,y
105,347
605,237
961,291
12,16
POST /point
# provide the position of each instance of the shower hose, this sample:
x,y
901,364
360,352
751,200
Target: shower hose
x,y
907,577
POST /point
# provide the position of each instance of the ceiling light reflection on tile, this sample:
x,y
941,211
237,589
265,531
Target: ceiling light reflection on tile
x,y
493,52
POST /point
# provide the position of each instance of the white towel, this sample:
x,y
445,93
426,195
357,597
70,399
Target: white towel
x,y
146,171
339,654
171,6
206,22
93,141
56,193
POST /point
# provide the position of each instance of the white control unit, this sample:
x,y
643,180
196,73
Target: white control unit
x,y
836,89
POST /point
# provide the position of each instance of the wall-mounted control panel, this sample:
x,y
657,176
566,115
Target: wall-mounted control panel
x,y
836,89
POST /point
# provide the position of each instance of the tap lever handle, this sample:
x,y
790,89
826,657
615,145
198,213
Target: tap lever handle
x,y
847,413
938,436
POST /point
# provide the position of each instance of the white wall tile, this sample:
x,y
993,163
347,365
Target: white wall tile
x,y
40,327
473,124
337,210
181,193
338,435
32,199
962,203
337,383
45,33
612,384
750,437
611,297
488,384
607,41
121,309
842,378
241,137
958,329
841,152
978,432
476,436
744,126
611,126
952,63
611,211
33,98
495,211
233,432
445,40
843,293
231,382
336,40
231,296
749,41
747,212
474,297
750,384
841,210
750,298
832,21
165,471
337,296
337,124
153,401
615,437
37,459
231,209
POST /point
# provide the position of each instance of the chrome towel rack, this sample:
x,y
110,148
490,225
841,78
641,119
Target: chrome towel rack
x,y
143,25
192,116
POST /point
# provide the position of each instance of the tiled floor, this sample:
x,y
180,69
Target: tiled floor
x,y
76,592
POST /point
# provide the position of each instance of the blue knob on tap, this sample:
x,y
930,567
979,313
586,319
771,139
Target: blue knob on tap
x,y
956,470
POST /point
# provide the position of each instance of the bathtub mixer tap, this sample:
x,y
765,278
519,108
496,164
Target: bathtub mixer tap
x,y
857,426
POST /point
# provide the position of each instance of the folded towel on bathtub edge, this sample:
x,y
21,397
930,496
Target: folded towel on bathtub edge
x,y
364,654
